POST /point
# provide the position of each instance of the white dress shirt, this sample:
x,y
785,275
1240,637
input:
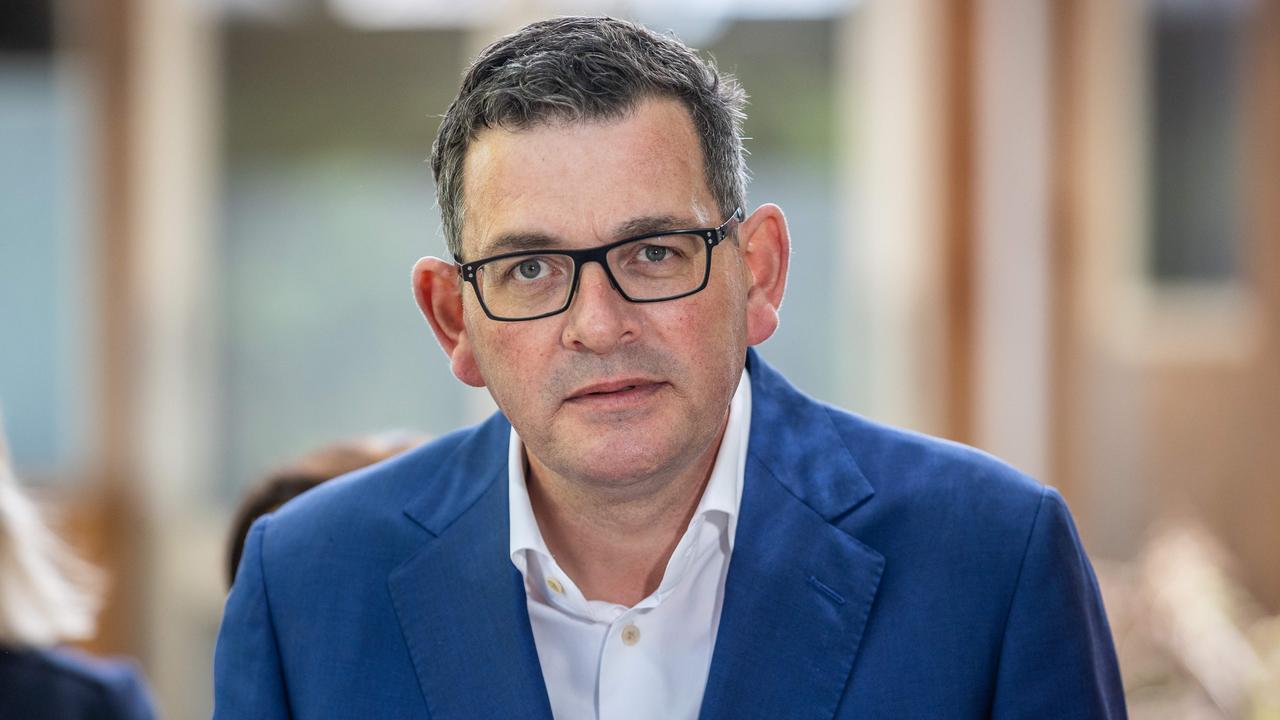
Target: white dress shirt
x,y
605,661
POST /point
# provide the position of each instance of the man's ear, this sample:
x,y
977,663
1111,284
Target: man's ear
x,y
766,251
438,290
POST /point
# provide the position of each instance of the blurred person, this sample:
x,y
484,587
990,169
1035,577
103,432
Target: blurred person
x,y
48,595
655,524
286,483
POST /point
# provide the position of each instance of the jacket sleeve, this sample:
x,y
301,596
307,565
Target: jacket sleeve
x,y
248,679
1057,659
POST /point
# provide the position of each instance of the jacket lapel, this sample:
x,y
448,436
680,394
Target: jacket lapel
x,y
799,589
460,601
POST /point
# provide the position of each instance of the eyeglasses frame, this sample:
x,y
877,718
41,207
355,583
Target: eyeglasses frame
x,y
599,254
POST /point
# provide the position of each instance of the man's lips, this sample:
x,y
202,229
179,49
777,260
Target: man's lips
x,y
614,388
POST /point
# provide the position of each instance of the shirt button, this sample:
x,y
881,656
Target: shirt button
x,y
630,635
555,586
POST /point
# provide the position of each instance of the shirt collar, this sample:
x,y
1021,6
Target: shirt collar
x,y
722,495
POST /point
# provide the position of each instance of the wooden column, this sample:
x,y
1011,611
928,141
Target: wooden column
x,y
1063,231
109,511
959,203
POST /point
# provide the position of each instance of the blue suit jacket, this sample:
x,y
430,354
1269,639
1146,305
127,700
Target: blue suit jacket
x,y
876,574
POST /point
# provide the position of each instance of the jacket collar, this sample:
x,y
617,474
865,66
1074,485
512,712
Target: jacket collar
x,y
460,602
462,478
799,589
793,436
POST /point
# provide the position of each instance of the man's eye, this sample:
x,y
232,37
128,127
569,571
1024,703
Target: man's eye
x,y
655,253
530,269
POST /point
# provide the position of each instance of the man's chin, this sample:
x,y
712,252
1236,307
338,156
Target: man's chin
x,y
604,462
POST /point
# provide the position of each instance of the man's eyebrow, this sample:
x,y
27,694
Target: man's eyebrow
x,y
517,242
652,224
532,240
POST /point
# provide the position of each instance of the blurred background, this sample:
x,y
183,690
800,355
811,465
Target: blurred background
x,y
1046,228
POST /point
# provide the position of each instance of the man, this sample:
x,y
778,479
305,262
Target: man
x,y
656,525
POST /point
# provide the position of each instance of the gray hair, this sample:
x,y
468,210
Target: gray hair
x,y
47,593
579,69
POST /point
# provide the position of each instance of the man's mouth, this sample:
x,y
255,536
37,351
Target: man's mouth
x,y
624,388
619,389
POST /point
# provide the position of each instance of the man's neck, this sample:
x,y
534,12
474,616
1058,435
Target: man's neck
x,y
614,545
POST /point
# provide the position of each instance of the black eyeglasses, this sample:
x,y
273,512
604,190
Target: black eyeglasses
x,y
654,267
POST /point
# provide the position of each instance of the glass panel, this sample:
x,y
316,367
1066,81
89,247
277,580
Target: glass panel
x,y
44,307
792,129
526,285
326,204
1195,110
660,267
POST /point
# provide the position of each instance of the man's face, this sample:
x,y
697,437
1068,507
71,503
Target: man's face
x,y
607,392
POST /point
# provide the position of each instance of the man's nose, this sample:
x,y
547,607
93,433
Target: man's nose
x,y
599,318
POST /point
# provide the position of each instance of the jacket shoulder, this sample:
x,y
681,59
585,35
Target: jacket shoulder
x,y
839,460
358,521
373,491
899,462
940,505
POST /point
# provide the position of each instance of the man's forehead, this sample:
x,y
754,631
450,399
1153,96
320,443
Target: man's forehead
x,y
653,124
609,178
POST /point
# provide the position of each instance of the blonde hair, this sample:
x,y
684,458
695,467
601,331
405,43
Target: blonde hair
x,y
47,593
